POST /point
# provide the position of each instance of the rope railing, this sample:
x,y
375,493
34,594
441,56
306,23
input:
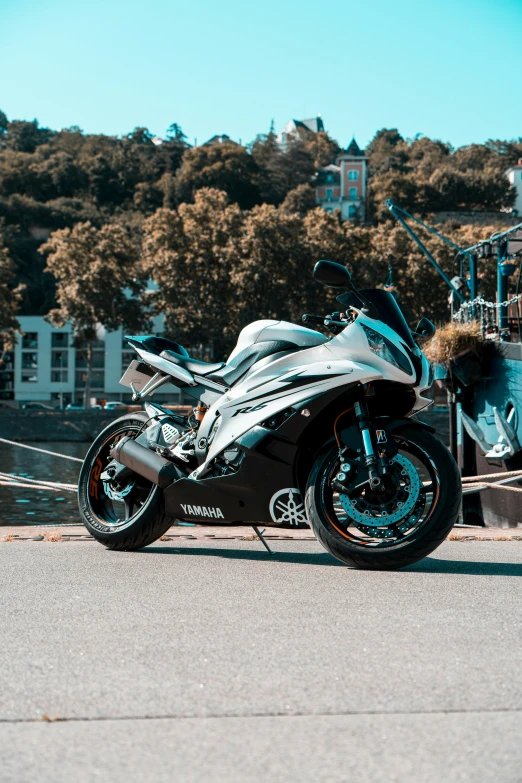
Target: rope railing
x,y
10,479
469,483
42,451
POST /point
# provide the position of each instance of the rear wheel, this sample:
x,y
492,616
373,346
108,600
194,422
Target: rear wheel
x,y
124,516
394,528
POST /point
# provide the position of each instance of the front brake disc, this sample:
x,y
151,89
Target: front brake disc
x,y
363,511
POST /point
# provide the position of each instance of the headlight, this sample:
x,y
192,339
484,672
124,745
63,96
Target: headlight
x,y
386,350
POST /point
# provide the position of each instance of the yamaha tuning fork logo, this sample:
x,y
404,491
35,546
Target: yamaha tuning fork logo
x,y
287,508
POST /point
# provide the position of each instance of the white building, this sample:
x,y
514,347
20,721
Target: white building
x,y
314,124
514,175
44,367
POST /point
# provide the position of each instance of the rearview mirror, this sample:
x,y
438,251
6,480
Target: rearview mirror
x,y
332,275
425,329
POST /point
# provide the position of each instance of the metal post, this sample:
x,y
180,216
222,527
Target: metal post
x,y
502,286
472,513
452,404
473,279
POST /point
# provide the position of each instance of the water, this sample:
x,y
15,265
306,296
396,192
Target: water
x,y
40,506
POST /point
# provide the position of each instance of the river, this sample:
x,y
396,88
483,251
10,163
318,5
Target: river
x,y
39,506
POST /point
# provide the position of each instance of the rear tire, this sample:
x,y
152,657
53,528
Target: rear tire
x,y
390,555
141,528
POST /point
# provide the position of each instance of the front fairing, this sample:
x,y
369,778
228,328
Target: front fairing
x,y
352,342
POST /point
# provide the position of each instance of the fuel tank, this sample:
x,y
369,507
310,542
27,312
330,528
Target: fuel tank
x,y
261,331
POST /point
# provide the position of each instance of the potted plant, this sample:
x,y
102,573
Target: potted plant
x,y
455,349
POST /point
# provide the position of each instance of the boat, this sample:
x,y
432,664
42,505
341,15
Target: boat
x,y
484,386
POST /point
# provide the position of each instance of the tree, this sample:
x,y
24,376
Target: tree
x,y
140,136
386,150
292,166
300,200
424,175
98,282
227,167
10,298
323,149
25,136
190,253
175,133
4,123
266,151
270,280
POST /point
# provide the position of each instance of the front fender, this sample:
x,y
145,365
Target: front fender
x,y
393,425
351,436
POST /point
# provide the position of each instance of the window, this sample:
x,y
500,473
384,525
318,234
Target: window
x,y
59,340
98,360
29,360
353,174
7,376
30,340
329,194
59,360
352,211
59,364
329,178
6,360
126,358
353,194
98,367
97,380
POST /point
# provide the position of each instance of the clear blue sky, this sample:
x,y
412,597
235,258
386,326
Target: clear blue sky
x,y
450,69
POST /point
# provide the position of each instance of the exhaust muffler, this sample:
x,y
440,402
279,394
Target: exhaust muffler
x,y
145,462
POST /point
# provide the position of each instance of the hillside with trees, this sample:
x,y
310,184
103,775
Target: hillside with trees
x,y
229,233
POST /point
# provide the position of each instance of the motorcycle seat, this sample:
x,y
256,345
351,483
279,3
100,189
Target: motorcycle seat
x,y
228,373
234,369
194,366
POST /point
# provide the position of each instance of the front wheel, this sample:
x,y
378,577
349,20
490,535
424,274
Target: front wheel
x,y
398,526
125,516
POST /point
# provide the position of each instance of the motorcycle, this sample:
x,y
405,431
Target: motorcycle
x,y
294,429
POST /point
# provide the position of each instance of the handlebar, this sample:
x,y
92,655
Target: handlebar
x,y
307,318
332,322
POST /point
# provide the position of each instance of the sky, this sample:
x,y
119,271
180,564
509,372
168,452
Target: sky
x,y
448,69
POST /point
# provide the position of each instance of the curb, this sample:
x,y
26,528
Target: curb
x,y
57,533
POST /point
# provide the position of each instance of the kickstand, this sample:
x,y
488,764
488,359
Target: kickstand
x,y
259,534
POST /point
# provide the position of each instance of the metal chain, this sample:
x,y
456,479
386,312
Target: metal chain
x,y
494,305
482,310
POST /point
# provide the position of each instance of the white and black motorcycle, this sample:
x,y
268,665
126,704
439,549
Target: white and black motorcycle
x,y
295,428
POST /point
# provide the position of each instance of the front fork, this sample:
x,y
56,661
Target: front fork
x,y
371,459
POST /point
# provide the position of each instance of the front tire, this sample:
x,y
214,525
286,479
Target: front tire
x,y
127,520
398,545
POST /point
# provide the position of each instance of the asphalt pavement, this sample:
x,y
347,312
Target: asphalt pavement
x,y
212,661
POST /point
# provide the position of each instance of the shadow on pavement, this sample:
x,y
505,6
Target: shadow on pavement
x,y
427,566
467,567
320,558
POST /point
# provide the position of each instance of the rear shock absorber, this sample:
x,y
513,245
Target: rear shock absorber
x,y
370,456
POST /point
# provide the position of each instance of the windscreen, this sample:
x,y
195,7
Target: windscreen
x,y
389,311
